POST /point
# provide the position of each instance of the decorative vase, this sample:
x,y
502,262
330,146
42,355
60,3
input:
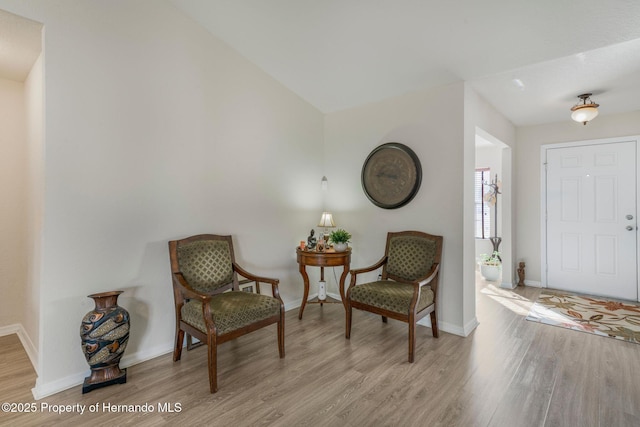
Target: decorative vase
x,y
490,272
340,247
104,333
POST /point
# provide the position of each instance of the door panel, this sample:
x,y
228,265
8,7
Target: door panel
x,y
591,242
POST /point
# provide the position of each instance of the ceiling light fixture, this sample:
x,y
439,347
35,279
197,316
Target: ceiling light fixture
x,y
586,111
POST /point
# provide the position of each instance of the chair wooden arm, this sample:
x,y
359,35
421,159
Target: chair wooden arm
x,y
244,273
357,271
182,288
259,279
432,274
418,284
375,266
180,283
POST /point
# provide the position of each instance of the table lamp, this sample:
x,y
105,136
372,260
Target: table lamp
x,y
326,221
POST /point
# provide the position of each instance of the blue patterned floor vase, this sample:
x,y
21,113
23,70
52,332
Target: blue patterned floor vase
x,y
104,333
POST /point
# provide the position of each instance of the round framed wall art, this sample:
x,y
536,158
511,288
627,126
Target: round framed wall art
x,y
391,175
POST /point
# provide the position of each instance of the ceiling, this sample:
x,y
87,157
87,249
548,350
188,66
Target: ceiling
x,y
338,54
20,46
530,59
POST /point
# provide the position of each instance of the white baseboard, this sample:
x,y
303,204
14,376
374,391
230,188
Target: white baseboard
x,y
450,327
426,321
25,340
508,285
533,283
334,296
43,390
8,330
147,354
47,389
444,326
292,305
470,326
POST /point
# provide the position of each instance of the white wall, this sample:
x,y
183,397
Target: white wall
x,y
480,118
153,132
13,250
440,126
34,104
527,164
430,123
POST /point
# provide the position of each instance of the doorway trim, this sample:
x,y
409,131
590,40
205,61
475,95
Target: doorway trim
x,y
543,197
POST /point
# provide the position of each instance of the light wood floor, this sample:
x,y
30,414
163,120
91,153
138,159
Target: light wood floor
x,y
508,372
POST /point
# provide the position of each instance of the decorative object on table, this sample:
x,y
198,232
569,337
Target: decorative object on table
x,y
407,289
585,112
491,197
303,244
391,175
521,273
104,332
311,240
340,239
326,221
320,246
491,266
595,315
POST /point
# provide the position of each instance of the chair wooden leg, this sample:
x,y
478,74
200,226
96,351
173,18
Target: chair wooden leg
x,y
177,350
213,363
412,339
434,324
281,334
347,331
384,319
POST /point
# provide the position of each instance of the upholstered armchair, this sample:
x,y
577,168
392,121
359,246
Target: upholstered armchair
x,y
208,302
408,286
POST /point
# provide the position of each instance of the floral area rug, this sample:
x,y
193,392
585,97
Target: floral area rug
x,y
595,315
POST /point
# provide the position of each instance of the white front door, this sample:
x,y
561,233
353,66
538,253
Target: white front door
x,y
591,219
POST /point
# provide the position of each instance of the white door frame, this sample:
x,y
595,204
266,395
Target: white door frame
x,y
543,197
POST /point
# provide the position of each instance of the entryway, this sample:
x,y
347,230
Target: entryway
x,y
590,217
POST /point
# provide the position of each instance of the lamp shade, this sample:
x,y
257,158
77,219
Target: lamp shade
x,y
584,114
586,111
326,220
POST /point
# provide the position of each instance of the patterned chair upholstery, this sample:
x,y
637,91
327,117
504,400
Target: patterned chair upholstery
x,y
208,302
408,285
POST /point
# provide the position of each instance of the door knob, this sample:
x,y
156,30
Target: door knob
x,y
630,227
629,217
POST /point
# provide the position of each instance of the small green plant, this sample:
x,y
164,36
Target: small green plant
x,y
493,259
340,236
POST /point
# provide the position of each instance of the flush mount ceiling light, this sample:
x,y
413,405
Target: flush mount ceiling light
x,y
586,111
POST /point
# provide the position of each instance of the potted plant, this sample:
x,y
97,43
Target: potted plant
x,y
340,238
491,266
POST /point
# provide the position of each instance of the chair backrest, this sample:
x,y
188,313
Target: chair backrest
x,y
205,261
411,254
